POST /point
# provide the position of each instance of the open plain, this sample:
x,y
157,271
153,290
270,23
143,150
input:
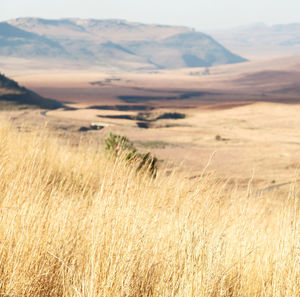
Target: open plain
x,y
240,121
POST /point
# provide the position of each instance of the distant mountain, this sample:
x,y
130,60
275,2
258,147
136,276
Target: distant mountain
x,y
11,92
262,40
188,49
113,42
17,42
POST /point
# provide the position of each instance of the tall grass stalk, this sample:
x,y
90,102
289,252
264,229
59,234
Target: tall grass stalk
x,y
75,223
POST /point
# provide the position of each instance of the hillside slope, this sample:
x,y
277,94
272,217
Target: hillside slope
x,y
17,42
117,43
12,93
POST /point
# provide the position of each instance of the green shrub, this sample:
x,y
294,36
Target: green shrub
x,y
117,144
120,145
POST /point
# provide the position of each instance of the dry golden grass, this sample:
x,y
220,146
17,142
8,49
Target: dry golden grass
x,y
75,223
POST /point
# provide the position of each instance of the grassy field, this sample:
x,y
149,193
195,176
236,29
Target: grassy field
x,y
77,222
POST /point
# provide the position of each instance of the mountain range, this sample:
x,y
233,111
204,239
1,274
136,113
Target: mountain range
x,y
261,39
116,43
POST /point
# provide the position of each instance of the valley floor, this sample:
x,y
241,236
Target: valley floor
x,y
256,141
242,119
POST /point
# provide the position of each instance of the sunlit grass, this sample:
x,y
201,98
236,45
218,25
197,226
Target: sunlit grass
x,y
77,223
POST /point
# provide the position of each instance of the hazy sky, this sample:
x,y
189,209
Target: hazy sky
x,y
200,14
